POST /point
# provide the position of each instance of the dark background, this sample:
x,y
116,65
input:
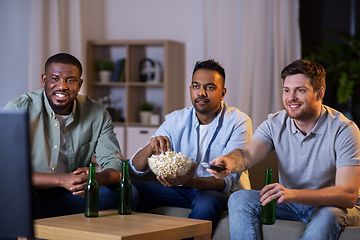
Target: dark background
x,y
317,15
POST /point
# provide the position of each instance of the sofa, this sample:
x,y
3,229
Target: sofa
x,y
281,230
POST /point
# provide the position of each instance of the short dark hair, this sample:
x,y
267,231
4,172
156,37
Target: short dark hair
x,y
313,70
64,58
210,65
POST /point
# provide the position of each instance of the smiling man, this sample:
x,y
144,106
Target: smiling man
x,y
66,130
318,150
61,96
206,130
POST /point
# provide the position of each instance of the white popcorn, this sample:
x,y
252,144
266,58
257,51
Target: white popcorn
x,y
169,163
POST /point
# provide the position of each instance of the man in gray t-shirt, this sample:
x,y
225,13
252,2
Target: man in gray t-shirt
x,y
319,156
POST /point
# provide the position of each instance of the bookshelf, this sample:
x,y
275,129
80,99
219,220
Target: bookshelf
x,y
126,96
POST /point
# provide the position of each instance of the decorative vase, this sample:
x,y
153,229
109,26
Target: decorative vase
x,y
145,117
105,76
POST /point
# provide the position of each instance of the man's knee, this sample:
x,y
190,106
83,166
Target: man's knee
x,y
330,214
324,223
243,197
210,199
210,195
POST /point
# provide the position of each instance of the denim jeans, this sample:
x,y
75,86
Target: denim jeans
x,y
59,201
204,204
322,222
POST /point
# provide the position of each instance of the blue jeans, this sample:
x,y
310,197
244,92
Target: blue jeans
x,y
204,205
322,222
59,201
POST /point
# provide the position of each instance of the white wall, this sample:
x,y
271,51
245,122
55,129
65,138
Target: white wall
x,y
159,19
14,48
108,19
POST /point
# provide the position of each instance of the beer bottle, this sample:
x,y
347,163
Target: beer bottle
x,y
268,211
91,194
125,190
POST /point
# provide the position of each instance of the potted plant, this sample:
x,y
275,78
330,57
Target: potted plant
x,y
342,65
145,112
105,68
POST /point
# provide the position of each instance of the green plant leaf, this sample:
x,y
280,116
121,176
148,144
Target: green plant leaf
x,y
341,62
146,106
346,88
105,65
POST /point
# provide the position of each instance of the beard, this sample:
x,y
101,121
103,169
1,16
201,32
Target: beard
x,y
202,110
58,108
305,113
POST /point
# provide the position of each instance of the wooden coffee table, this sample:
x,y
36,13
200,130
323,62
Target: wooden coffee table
x,y
111,225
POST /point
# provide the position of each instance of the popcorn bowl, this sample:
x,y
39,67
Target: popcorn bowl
x,y
169,163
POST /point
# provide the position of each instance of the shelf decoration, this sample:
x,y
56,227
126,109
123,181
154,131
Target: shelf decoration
x,y
105,68
119,72
106,101
145,112
150,74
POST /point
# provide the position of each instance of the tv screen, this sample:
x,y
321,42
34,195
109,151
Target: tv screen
x,y
15,178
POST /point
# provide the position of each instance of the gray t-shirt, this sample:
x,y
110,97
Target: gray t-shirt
x,y
310,162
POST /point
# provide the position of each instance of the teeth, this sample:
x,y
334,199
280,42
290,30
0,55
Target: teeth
x,y
294,105
60,95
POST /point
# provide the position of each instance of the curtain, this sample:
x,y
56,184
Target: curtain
x,y
253,40
55,26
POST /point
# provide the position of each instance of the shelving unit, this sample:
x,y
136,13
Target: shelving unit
x,y
166,96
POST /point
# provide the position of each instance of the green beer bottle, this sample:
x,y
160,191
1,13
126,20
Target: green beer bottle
x,y
125,190
91,194
268,211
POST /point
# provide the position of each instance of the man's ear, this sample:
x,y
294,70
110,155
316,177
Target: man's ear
x,y
80,84
223,92
43,79
320,94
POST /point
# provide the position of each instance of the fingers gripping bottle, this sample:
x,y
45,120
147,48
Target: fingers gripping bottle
x,y
91,194
125,191
268,211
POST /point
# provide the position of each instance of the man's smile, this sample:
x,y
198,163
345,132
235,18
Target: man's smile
x,y
294,106
201,101
60,96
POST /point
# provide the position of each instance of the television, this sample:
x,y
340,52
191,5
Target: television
x,y
15,178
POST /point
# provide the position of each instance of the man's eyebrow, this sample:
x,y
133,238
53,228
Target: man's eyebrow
x,y
297,87
210,84
58,75
71,76
206,84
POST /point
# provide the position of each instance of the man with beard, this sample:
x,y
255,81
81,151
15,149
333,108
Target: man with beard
x,y
66,129
206,130
318,154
